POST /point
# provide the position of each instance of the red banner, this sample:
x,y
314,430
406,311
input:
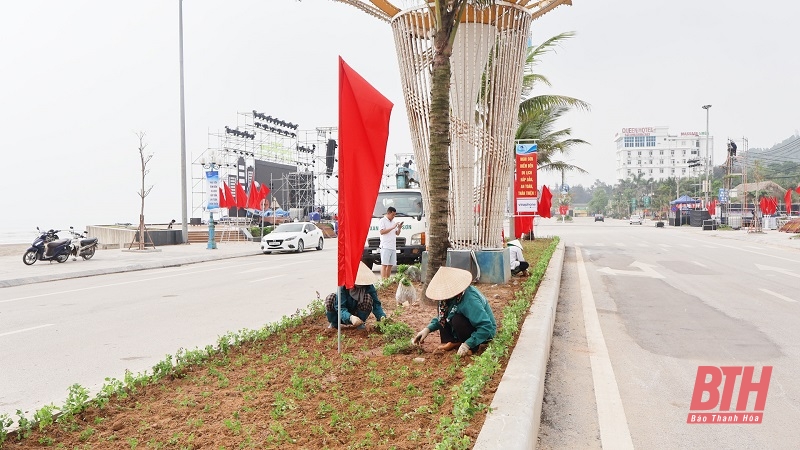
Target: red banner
x,y
525,193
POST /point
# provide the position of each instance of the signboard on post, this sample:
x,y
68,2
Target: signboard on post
x,y
212,187
526,194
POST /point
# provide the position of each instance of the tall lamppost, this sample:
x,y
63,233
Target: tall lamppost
x,y
708,161
213,179
184,205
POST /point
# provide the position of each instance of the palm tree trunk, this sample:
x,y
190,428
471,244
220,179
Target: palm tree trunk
x,y
439,165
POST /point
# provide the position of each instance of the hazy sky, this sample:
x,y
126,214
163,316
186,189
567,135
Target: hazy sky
x,y
80,77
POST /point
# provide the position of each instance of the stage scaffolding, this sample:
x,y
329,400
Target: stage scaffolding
x,y
296,164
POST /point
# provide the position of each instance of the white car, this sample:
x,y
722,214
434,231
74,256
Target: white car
x,y
292,237
635,219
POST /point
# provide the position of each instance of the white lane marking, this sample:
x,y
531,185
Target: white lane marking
x,y
699,263
614,432
782,297
646,271
754,247
26,329
125,282
748,251
778,269
262,268
264,279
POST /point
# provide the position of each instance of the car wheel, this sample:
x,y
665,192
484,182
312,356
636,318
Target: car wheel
x,y
267,253
300,246
321,243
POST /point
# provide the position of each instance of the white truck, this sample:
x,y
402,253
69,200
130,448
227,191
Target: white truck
x,y
411,240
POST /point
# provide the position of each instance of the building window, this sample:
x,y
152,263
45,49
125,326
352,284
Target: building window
x,y
672,153
639,171
684,153
650,171
639,153
683,170
629,162
629,171
673,171
650,141
661,152
650,162
694,152
639,162
697,144
660,170
629,153
628,141
661,161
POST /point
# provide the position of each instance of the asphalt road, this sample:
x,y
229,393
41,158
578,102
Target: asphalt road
x,y
82,330
641,308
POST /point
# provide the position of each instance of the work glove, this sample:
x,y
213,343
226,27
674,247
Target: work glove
x,y
423,333
464,350
355,320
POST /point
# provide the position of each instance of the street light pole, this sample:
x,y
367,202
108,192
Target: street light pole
x,y
708,186
184,206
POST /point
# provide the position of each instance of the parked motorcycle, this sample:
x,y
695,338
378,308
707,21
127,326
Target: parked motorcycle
x,y
47,247
81,245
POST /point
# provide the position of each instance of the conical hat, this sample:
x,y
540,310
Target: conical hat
x,y
514,243
447,283
365,276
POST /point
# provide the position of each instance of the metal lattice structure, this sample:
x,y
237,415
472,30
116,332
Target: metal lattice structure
x,y
487,69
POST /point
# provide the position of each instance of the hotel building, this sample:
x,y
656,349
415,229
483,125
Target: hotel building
x,y
657,154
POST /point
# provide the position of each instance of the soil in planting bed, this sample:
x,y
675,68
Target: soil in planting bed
x,y
293,390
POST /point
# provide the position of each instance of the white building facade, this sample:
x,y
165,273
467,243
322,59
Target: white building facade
x,y
657,154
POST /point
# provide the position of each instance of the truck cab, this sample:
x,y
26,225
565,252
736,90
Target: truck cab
x,y
411,240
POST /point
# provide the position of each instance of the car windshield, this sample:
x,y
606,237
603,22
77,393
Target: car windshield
x,y
288,228
406,203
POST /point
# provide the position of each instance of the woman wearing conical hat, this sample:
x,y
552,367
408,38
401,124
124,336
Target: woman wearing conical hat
x,y
465,319
356,303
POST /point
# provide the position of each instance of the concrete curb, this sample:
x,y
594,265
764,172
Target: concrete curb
x,y
516,410
180,261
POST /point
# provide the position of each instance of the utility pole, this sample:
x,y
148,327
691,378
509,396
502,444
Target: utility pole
x,y
184,205
708,161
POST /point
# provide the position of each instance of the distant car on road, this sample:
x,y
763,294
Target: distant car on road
x,y
599,218
292,237
635,219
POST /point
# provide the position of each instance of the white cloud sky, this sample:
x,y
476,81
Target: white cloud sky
x,y
80,77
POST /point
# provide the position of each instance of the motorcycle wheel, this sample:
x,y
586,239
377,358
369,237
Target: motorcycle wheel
x,y
87,255
29,257
62,257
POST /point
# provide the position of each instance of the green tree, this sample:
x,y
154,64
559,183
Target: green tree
x,y
599,201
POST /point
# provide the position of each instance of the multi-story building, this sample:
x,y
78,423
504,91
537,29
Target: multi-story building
x,y
654,152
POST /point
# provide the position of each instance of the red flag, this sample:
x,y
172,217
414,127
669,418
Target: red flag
x,y
787,200
253,200
263,191
544,202
241,196
222,203
797,189
229,202
363,131
712,207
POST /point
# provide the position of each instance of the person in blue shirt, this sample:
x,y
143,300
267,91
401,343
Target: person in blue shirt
x,y
465,319
357,303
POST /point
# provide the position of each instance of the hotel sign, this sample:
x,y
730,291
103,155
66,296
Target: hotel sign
x,y
645,131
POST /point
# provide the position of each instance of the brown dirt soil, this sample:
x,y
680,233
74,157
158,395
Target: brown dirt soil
x,y
292,390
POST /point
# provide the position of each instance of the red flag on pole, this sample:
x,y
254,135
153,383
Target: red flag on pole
x,y
543,208
363,131
253,200
787,200
229,203
262,195
222,203
241,196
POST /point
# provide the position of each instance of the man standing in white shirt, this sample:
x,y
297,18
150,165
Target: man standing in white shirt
x,y
387,225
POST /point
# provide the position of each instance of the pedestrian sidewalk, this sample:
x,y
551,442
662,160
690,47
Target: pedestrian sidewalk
x,y
13,272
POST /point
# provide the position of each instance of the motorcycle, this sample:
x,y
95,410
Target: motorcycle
x,y
47,247
81,245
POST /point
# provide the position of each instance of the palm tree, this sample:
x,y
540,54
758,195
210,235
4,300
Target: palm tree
x,y
447,15
539,113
